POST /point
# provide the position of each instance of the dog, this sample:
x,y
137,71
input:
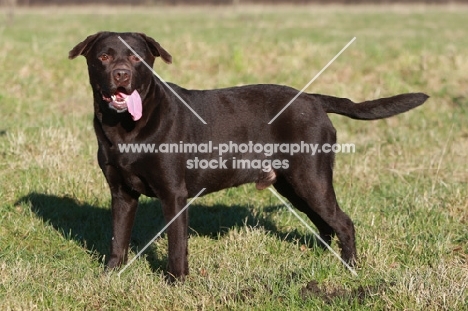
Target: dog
x,y
132,105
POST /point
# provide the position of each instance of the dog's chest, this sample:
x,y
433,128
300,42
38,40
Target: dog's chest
x,y
134,169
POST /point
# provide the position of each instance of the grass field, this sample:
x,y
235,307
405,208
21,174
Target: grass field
x,y
405,187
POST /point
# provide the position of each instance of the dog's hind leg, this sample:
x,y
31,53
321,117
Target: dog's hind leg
x,y
285,189
312,181
316,198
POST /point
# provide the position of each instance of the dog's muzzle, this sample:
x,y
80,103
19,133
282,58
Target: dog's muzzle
x,y
122,102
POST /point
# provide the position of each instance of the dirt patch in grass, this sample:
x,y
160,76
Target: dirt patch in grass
x,y
329,294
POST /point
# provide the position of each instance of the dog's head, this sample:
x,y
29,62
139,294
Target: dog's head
x,y
116,67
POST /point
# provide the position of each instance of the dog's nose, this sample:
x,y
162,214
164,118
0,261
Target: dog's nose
x,y
121,76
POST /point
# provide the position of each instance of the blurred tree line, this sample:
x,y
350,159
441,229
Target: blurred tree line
x,y
215,2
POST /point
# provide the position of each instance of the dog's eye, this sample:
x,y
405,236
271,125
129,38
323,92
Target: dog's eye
x,y
134,58
104,57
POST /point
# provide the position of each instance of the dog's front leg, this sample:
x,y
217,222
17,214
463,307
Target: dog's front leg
x,y
177,236
124,206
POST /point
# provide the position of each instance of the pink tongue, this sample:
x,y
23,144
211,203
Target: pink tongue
x,y
134,105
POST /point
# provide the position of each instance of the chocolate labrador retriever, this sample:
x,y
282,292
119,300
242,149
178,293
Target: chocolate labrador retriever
x,y
133,106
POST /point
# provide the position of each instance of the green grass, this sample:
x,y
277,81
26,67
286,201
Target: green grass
x,y
405,187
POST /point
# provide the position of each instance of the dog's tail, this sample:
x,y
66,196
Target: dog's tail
x,y
372,109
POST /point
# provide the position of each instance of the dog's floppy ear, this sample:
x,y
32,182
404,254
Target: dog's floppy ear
x,y
83,48
156,49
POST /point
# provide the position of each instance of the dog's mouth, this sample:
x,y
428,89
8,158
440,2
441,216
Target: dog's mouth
x,y
121,101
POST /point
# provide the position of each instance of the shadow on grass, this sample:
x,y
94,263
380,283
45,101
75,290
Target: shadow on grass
x,y
90,225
